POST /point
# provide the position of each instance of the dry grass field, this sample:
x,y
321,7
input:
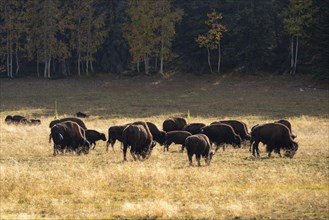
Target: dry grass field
x,y
36,185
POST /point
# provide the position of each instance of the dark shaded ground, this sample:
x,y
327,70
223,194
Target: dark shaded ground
x,y
142,96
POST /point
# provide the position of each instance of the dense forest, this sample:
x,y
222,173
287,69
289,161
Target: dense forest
x,y
59,38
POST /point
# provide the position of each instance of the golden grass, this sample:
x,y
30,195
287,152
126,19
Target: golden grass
x,y
36,185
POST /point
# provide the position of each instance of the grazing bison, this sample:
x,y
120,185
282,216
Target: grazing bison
x,y
194,128
69,135
76,120
177,137
199,145
158,136
275,136
239,128
222,134
81,115
92,136
139,137
174,124
114,133
16,119
35,122
288,124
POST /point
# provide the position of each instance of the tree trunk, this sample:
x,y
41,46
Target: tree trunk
x,y
11,57
296,55
292,55
161,57
49,62
8,56
87,64
17,62
146,61
54,66
45,70
209,63
156,62
219,58
38,72
79,57
161,67
91,66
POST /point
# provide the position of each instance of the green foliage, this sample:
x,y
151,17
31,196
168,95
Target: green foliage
x,y
298,16
212,39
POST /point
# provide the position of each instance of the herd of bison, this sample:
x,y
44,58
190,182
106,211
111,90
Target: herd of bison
x,y
71,134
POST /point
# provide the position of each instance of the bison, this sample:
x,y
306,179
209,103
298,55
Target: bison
x,y
288,124
114,133
76,120
275,136
69,135
174,124
81,115
92,136
239,128
139,137
199,145
158,136
222,134
194,128
34,121
16,119
177,137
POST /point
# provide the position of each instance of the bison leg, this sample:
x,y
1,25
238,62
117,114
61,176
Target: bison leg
x,y
255,149
198,157
190,158
133,153
125,152
183,146
94,143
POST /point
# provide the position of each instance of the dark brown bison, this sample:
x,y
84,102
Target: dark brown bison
x,y
199,145
239,128
174,124
275,136
34,122
177,137
158,136
16,119
194,128
69,135
139,138
92,136
114,133
81,115
76,120
222,134
288,124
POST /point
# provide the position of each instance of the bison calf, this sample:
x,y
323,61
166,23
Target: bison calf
x,y
177,137
194,128
199,145
92,136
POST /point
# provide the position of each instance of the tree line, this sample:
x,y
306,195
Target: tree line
x,y
54,38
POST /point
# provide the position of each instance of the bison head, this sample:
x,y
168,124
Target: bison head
x,y
237,141
103,137
209,157
85,146
8,119
292,150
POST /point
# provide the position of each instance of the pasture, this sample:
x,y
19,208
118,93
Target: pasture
x,y
36,185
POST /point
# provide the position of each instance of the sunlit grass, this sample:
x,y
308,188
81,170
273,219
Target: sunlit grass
x,y
35,185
